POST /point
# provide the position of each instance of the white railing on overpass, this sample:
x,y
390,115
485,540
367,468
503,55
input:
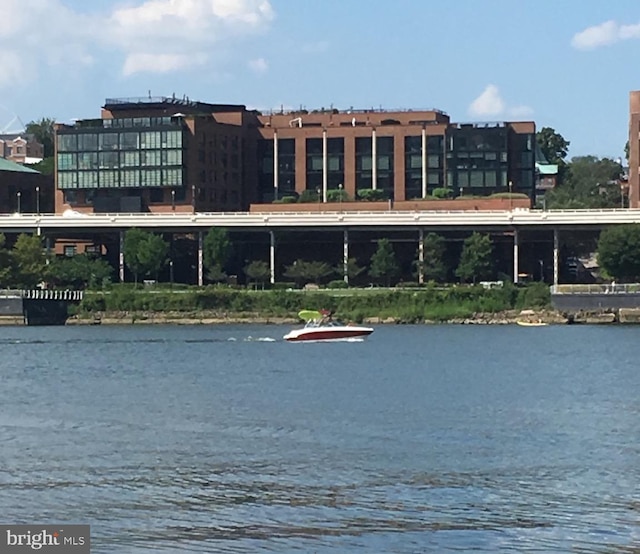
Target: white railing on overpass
x,y
521,218
605,288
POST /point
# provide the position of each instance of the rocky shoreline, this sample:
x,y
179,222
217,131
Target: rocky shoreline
x,y
550,317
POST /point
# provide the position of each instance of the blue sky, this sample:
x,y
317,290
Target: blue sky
x,y
567,65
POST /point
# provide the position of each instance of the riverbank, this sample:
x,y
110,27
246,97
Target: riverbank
x,y
505,317
212,318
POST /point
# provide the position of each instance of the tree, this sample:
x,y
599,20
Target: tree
x,y
303,272
258,271
29,260
153,255
144,252
44,133
79,272
353,269
434,267
591,183
5,263
216,248
619,252
475,260
553,145
384,265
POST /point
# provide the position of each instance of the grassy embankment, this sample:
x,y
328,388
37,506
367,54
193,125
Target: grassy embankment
x,y
410,305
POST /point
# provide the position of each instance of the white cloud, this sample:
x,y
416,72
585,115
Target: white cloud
x,y
490,105
153,36
176,29
604,34
259,65
139,62
12,68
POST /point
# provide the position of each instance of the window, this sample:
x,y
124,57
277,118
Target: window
x,y
172,139
129,177
129,141
70,250
172,157
108,160
415,162
151,178
67,161
87,179
109,179
88,160
150,158
67,143
150,140
172,177
433,160
108,141
88,142
68,179
129,159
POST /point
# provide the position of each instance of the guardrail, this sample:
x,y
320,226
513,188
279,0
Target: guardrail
x,y
499,219
611,288
43,294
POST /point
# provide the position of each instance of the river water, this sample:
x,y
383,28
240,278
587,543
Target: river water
x,y
420,439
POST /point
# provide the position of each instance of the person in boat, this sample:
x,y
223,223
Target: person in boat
x,y
326,318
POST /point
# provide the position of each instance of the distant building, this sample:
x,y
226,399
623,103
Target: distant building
x,y
415,152
634,149
21,148
158,155
167,154
546,175
24,190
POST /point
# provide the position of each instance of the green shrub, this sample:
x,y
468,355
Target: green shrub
x,y
442,192
337,284
372,195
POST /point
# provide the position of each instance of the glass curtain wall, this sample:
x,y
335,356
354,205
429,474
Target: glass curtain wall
x,y
119,157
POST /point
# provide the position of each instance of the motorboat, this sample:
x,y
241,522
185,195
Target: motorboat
x,y
524,323
321,327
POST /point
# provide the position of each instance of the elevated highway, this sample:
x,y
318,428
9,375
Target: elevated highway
x,y
427,220
506,221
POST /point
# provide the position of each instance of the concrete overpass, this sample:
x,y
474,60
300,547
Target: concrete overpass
x,y
421,221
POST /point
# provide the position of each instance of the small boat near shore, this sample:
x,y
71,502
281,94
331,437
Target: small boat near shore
x,y
524,323
320,327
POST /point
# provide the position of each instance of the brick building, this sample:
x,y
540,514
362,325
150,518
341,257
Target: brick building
x,y
168,154
634,149
21,148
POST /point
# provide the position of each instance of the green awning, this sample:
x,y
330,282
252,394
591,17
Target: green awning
x,y
6,165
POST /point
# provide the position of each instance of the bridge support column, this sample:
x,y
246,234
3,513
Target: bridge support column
x,y
556,256
516,248
345,255
121,257
272,257
421,256
200,264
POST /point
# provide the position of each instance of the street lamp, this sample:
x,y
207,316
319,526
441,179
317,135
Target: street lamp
x,y
18,194
38,200
173,200
510,197
193,198
340,195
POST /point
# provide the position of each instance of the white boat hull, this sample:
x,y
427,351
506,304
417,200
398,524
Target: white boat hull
x,y
329,333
